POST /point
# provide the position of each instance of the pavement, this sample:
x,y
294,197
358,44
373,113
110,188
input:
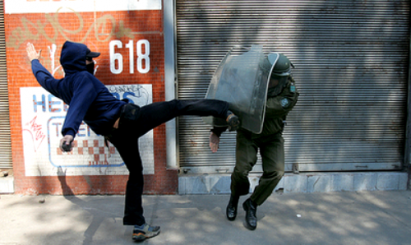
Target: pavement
x,y
364,217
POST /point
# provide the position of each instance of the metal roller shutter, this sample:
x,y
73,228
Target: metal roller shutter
x,y
351,61
5,143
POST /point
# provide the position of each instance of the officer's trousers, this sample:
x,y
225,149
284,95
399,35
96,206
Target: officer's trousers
x,y
134,122
272,155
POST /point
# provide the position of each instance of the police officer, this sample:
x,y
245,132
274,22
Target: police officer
x,y
281,98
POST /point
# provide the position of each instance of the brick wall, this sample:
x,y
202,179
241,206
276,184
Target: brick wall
x,y
96,30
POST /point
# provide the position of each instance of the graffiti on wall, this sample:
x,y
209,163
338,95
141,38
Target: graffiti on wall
x,y
49,27
103,29
50,6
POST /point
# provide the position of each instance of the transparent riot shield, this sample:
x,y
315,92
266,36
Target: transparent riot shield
x,y
242,80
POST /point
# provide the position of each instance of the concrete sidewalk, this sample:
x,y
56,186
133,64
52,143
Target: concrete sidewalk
x,y
378,217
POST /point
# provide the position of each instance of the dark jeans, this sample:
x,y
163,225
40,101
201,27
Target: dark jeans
x,y
134,122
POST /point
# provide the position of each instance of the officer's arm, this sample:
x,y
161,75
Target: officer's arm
x,y
214,140
218,130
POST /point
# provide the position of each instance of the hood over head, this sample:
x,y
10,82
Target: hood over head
x,y
73,57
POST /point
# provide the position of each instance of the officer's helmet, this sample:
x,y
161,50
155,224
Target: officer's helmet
x,y
282,67
281,70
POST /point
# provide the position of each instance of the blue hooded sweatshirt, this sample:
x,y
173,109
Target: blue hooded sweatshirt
x,y
87,97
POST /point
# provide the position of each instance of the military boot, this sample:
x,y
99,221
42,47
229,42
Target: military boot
x,y
251,214
231,210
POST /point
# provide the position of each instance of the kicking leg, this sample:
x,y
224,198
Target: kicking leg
x,y
153,115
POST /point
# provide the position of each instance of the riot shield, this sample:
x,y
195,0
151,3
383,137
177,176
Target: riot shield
x,y
242,80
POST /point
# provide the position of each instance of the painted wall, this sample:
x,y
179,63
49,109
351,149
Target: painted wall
x,y
129,36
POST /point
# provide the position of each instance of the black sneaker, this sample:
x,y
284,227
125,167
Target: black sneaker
x,y
142,232
231,210
250,216
233,121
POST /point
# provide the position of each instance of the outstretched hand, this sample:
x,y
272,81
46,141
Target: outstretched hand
x,y
31,52
214,142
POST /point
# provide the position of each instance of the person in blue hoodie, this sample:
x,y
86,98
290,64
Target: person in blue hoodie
x,y
120,122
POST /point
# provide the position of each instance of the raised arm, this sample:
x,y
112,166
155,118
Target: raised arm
x,y
31,52
43,76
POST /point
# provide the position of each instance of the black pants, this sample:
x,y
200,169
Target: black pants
x,y
134,122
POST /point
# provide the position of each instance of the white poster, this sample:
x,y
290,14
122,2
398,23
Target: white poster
x,y
43,115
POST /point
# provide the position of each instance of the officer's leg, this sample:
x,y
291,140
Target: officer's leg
x,y
272,154
246,157
155,114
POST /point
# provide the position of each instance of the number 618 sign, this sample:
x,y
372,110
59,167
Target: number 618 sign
x,y
143,59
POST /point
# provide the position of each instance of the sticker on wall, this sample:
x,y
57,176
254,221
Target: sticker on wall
x,y
43,115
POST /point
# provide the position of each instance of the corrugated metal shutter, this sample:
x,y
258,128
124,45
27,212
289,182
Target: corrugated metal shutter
x,y
351,61
5,144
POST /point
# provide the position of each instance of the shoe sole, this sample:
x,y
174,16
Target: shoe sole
x,y
139,237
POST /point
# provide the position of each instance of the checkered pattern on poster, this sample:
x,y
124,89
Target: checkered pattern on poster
x,y
42,119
